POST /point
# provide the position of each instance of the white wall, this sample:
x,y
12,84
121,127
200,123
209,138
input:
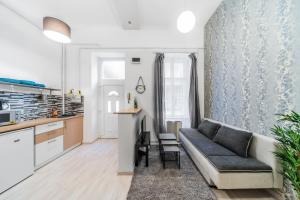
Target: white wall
x,y
75,74
146,70
88,83
150,38
25,53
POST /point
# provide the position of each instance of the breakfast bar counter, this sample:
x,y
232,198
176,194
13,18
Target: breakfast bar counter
x,y
129,111
129,127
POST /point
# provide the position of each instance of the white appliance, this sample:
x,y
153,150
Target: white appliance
x,y
7,117
17,157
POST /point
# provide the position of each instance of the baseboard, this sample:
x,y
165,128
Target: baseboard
x,y
71,148
90,142
276,193
125,173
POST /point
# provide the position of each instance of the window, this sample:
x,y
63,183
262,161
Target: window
x,y
117,106
113,69
177,80
113,93
109,106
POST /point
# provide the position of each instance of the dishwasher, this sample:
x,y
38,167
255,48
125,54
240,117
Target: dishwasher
x,y
16,157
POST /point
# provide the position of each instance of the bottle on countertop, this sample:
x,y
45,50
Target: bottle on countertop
x,y
54,112
135,104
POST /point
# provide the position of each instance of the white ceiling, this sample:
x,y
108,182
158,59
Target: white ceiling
x,y
79,14
150,15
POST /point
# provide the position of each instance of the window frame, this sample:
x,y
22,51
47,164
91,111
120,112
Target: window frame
x,y
172,81
112,59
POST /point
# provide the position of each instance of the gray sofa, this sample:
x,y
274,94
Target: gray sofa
x,y
230,158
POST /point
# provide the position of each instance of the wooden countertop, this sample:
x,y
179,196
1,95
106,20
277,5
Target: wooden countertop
x,y
132,111
32,123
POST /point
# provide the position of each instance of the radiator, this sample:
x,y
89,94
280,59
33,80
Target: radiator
x,y
173,127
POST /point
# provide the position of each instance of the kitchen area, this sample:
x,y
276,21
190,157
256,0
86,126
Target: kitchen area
x,y
36,127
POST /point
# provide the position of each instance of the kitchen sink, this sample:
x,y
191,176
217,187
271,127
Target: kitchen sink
x,y
66,115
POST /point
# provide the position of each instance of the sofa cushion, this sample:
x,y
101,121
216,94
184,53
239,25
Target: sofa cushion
x,y
235,140
206,146
209,129
238,164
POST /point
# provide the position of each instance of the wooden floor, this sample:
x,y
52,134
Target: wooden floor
x,y
89,172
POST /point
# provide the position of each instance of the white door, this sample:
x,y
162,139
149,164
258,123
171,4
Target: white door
x,y
113,101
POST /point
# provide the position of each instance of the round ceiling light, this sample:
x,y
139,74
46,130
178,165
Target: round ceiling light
x,y
186,21
56,30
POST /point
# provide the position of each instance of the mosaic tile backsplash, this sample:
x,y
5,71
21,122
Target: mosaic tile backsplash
x,y
252,63
33,106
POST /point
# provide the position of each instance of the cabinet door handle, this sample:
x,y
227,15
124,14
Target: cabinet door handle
x,y
17,140
51,141
51,124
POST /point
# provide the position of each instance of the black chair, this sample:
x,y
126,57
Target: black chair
x,y
142,147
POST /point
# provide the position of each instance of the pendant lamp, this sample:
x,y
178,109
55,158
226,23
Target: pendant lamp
x,y
56,30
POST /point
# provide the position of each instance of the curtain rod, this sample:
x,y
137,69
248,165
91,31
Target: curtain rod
x,y
175,52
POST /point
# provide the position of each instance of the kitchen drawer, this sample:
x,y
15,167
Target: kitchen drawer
x,y
48,127
47,150
40,138
55,146
41,153
17,157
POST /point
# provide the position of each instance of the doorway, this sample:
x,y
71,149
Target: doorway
x,y
113,101
111,95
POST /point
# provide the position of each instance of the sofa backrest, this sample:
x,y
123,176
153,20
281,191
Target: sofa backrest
x,y
262,148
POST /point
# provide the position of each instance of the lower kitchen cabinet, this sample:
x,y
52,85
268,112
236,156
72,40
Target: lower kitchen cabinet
x,y
49,142
48,149
17,157
23,151
73,133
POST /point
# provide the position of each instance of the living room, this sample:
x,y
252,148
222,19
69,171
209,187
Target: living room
x,y
128,99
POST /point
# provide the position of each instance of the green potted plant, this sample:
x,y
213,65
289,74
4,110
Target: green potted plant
x,y
288,152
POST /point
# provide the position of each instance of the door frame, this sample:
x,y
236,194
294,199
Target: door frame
x,y
101,99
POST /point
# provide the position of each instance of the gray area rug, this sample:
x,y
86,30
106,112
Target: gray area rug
x,y
154,182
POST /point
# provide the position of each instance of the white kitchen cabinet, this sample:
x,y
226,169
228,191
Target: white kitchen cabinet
x,y
16,156
55,146
47,150
41,153
48,127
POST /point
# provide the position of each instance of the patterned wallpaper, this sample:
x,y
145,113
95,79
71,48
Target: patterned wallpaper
x,y
252,62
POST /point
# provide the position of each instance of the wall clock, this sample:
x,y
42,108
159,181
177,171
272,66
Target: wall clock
x,y
140,87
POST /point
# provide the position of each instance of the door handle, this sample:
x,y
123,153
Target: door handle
x,y
51,124
17,140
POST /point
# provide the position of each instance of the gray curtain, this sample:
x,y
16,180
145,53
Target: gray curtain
x,y
159,95
194,104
